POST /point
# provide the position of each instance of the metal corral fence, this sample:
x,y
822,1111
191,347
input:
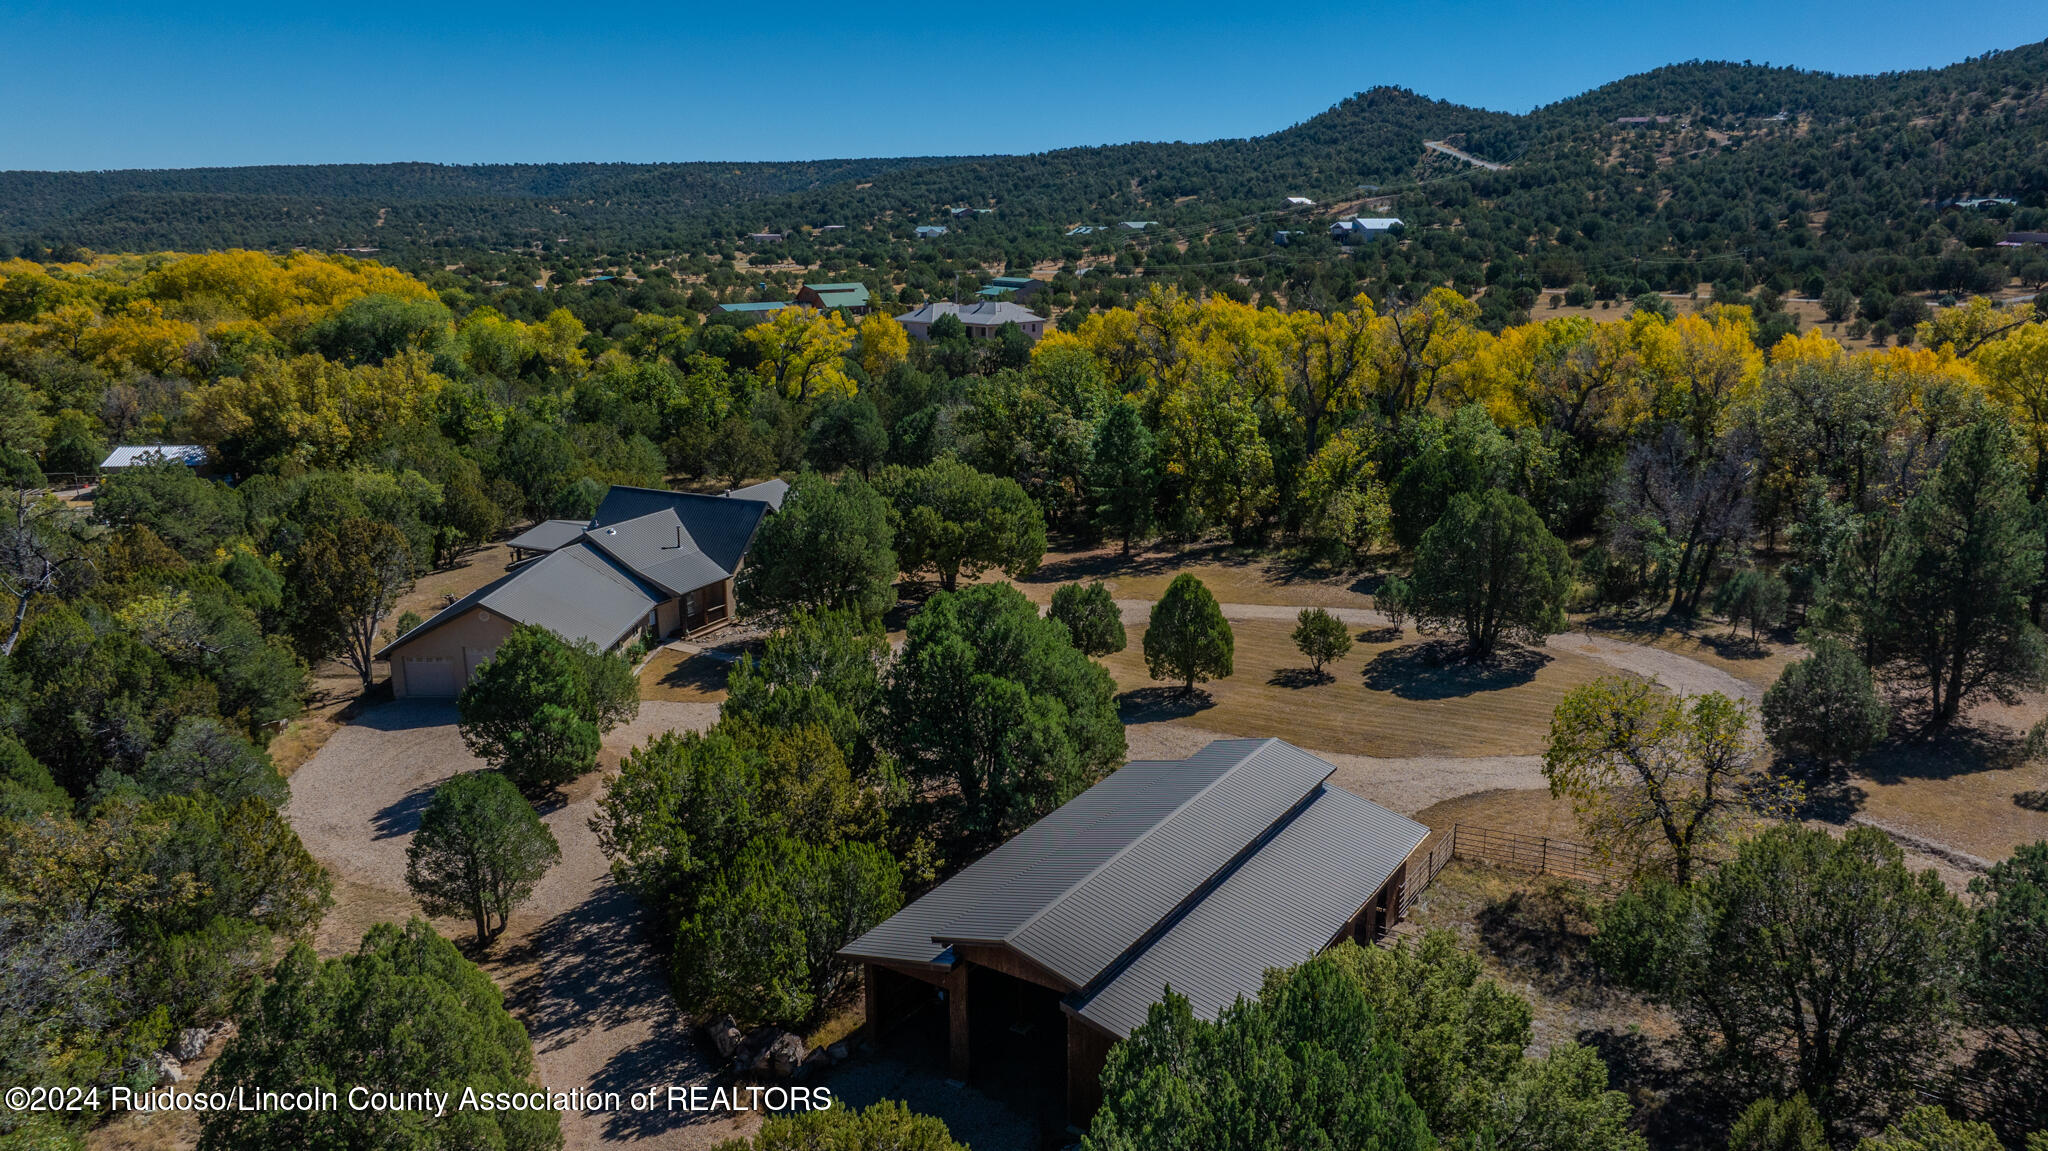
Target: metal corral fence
x,y
1532,853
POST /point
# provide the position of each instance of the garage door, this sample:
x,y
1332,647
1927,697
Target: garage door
x,y
431,677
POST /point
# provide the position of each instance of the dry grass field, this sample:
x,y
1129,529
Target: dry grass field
x,y
1523,811
683,677
1387,698
1231,575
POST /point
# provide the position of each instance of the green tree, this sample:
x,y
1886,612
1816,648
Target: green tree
x,y
405,1010
1661,783
1755,597
1307,1065
27,789
846,432
884,1126
1805,964
1321,637
1123,476
1778,1125
341,585
682,806
74,448
525,712
2008,987
195,516
1394,600
830,547
1490,570
1187,637
1825,707
951,520
1093,620
823,668
479,851
996,716
1955,580
1929,1128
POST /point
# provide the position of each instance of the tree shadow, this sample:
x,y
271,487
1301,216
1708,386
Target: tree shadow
x,y
1545,934
407,715
1676,1108
1296,678
1961,750
1110,563
1832,799
1437,670
402,816
702,673
1732,646
1153,704
1381,635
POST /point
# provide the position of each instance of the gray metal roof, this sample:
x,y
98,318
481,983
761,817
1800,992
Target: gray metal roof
x,y
1078,889
657,549
722,528
134,455
548,535
1281,905
576,593
769,491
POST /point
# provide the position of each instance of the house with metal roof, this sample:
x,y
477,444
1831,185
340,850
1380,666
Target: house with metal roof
x,y
140,455
1201,874
984,320
930,231
753,307
1018,288
1357,228
650,563
825,297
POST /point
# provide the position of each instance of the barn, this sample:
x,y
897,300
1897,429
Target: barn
x,y
1200,873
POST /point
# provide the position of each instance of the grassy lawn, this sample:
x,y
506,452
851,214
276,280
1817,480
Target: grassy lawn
x,y
1232,576
684,677
1386,698
1958,789
1523,812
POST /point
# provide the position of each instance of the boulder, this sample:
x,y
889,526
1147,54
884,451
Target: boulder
x,y
751,1054
724,1033
168,1069
839,1051
786,1054
191,1043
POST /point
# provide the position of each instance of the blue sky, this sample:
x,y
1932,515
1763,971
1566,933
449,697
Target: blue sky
x,y
118,85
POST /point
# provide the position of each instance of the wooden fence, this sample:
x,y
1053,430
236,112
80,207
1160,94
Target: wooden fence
x,y
1533,853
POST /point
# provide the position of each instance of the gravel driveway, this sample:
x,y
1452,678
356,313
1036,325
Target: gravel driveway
x,y
572,961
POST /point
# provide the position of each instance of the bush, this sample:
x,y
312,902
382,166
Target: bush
x,y
1321,637
1094,622
1825,707
524,712
479,851
885,1126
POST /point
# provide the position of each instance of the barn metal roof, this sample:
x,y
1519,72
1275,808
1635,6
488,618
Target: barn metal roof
x,y
1090,890
1278,907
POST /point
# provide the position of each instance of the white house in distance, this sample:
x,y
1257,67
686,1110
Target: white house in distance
x,y
135,456
984,320
1358,228
1300,202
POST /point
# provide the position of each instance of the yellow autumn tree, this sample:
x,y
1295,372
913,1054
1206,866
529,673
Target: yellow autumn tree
x,y
1701,364
1330,363
883,344
2014,368
310,411
803,352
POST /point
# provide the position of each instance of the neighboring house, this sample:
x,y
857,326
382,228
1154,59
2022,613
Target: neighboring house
x,y
2017,239
1086,229
765,237
929,231
825,297
139,455
984,321
1364,228
753,308
649,563
1137,225
1300,202
1201,874
1021,288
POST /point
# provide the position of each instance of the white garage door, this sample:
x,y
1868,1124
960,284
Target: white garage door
x,y
431,677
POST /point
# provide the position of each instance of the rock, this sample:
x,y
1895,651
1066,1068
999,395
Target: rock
x,y
786,1054
168,1069
839,1051
751,1054
192,1043
725,1035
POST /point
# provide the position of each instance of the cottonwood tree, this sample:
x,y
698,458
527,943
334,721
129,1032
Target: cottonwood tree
x,y
479,851
1661,783
1491,571
1093,620
1674,498
1187,638
829,547
1321,637
335,1021
1804,963
341,585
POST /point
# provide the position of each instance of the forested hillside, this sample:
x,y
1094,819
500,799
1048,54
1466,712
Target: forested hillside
x,y
1751,176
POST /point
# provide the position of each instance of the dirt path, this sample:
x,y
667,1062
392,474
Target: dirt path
x,y
573,964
